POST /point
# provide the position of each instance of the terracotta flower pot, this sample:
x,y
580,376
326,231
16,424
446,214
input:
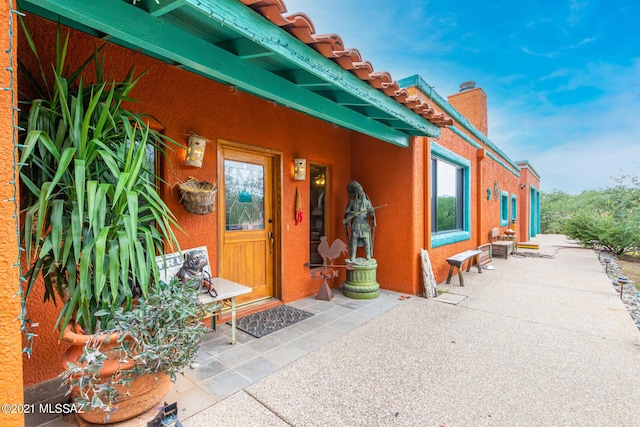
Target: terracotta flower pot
x,y
139,396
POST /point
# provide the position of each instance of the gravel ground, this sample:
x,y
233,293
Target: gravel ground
x,y
630,295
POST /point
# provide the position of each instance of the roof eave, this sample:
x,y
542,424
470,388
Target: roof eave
x,y
132,26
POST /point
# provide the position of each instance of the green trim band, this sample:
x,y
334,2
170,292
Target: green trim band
x,y
476,145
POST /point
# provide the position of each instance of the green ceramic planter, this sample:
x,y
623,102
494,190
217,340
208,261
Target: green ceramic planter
x,y
361,281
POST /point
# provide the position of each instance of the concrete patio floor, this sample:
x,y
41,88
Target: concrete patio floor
x,y
537,341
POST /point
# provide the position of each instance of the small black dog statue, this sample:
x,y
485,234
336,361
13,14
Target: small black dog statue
x,y
192,271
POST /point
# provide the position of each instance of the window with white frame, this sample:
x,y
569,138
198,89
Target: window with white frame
x,y
450,196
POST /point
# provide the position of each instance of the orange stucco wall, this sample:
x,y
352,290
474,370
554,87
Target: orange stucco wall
x,y
183,102
394,176
11,349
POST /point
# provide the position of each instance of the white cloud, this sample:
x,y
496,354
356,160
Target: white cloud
x,y
543,54
574,147
576,9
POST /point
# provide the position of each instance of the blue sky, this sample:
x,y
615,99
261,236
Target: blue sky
x,y
562,77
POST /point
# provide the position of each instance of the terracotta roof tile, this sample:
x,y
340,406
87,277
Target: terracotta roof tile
x,y
363,70
261,3
390,88
401,95
415,103
300,20
272,13
378,78
346,58
327,44
331,46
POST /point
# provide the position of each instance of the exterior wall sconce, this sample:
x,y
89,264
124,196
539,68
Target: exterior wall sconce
x,y
299,169
196,146
522,186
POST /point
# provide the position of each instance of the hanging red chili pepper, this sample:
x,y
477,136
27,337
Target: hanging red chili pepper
x,y
298,212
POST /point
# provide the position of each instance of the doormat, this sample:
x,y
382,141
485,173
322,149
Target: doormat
x,y
264,322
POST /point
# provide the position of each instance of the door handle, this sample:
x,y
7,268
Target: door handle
x,y
270,242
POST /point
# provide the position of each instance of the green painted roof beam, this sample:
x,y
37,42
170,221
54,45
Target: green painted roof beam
x,y
35,9
245,49
160,8
242,19
124,21
372,112
396,124
303,78
342,98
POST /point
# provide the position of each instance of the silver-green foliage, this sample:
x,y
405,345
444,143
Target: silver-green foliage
x,y
611,216
93,219
162,333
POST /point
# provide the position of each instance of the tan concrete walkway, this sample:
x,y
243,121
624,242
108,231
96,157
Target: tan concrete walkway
x,y
536,342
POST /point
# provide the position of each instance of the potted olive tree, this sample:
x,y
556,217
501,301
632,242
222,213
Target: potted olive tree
x,y
93,225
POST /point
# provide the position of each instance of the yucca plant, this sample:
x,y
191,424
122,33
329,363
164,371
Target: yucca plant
x,y
93,219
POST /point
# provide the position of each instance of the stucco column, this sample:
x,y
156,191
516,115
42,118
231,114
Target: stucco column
x,y
11,350
480,199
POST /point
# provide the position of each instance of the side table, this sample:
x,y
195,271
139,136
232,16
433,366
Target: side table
x,y
513,238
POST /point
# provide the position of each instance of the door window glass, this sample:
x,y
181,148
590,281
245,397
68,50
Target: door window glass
x,y
244,195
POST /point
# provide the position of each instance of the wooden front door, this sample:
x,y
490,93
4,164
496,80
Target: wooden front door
x,y
247,221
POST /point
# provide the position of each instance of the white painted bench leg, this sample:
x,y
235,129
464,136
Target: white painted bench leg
x,y
233,320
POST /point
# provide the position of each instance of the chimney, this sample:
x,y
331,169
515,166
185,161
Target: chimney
x,y
471,102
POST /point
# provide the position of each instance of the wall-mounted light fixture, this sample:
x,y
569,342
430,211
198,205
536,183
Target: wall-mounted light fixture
x,y
523,186
196,146
299,169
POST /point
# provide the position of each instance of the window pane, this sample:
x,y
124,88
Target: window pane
x,y
317,210
504,206
244,195
447,202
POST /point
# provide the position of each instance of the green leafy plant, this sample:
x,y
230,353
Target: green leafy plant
x,y
611,215
616,237
162,333
93,219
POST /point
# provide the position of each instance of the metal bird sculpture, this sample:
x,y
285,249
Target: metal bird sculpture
x,y
329,253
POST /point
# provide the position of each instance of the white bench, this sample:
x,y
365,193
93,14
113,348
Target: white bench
x,y
458,260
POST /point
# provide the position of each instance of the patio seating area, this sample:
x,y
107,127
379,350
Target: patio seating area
x,y
537,341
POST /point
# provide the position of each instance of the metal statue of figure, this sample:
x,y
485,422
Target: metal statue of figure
x,y
359,221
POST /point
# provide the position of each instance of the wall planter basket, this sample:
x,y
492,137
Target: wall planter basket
x,y
198,197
